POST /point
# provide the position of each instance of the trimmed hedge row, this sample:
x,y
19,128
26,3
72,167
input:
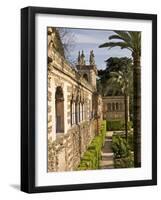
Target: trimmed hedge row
x,y
123,157
92,156
116,125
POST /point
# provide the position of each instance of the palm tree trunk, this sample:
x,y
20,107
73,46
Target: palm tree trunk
x,y
137,111
126,117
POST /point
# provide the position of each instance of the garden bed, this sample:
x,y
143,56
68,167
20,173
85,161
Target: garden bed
x,y
92,156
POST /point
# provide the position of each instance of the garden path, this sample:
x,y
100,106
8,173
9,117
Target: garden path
x,y
107,154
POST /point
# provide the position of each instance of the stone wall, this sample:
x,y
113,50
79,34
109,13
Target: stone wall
x,y
65,148
64,154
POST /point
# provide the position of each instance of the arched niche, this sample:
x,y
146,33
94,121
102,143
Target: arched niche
x,y
85,76
117,106
113,106
109,107
59,110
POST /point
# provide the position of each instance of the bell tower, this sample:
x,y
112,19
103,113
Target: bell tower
x,y
88,71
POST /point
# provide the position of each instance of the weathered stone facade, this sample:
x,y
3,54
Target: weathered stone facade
x,y
72,108
65,152
114,108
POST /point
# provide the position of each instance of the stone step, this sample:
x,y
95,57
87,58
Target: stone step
x,y
107,154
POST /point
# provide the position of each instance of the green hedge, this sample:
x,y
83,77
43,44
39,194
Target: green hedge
x,y
116,125
92,156
123,157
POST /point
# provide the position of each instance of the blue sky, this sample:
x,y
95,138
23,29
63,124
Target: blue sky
x,y
88,39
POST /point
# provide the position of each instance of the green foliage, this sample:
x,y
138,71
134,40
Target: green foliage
x,y
103,126
130,141
131,41
123,156
127,162
127,39
120,147
129,125
103,130
113,84
92,156
116,125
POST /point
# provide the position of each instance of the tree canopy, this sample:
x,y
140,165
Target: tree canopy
x,y
113,64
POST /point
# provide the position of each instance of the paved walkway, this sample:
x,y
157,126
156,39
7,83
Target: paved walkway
x,y
107,155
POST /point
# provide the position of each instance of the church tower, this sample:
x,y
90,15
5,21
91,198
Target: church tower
x,y
88,71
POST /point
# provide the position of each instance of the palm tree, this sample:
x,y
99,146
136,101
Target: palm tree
x,y
132,41
121,80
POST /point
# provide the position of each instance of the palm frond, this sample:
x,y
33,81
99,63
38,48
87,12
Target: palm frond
x,y
136,41
110,45
115,37
124,35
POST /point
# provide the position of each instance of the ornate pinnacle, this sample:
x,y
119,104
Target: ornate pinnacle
x,y
82,59
91,58
79,58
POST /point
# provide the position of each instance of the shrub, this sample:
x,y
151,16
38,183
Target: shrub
x,y
113,125
92,156
116,125
123,157
130,141
127,162
120,147
103,126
